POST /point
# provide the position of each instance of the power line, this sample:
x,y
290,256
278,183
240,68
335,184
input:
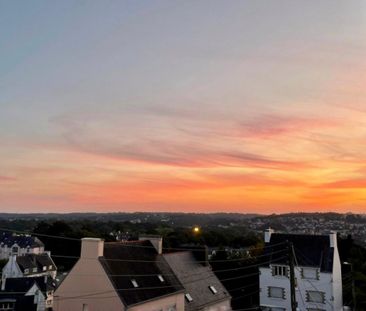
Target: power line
x,y
151,261
149,288
128,243
172,274
311,283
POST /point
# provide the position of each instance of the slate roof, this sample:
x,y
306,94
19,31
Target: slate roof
x,y
196,279
25,283
9,239
31,261
142,263
310,250
15,289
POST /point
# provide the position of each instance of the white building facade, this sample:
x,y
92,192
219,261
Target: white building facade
x,y
19,245
317,270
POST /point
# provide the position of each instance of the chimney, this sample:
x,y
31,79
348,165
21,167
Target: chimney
x,y
156,241
91,248
267,235
333,239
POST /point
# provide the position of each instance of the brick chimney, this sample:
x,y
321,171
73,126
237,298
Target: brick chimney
x,y
91,248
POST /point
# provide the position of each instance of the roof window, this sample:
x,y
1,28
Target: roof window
x,y
134,283
160,277
189,297
213,289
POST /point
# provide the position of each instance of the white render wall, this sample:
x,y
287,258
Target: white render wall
x,y
266,279
10,270
6,252
337,278
324,284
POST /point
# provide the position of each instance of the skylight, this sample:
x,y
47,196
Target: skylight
x,y
189,297
213,289
160,277
134,283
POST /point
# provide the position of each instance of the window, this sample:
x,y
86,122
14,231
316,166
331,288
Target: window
x,y
15,250
172,308
310,273
315,296
26,271
34,269
213,289
50,267
189,297
7,306
280,271
85,307
44,268
160,277
276,292
134,283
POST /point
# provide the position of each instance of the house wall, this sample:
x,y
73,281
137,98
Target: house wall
x,y
10,270
221,306
176,300
87,281
337,276
267,279
324,284
39,298
6,252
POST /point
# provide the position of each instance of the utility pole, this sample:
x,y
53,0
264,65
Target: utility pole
x,y
292,275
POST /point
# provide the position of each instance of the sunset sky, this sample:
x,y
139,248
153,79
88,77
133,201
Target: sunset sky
x,y
189,106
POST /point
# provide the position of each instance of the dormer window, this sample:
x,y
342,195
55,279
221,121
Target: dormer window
x,y
213,289
160,277
188,297
134,283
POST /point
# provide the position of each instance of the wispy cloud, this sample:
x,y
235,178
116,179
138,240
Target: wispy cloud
x,y
7,179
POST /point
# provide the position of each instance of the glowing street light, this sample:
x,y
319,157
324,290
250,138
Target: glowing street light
x,y
196,229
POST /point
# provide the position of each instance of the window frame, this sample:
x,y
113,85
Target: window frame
x,y
270,294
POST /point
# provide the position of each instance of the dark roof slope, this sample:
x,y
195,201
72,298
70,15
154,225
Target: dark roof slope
x,y
15,289
31,261
22,285
142,263
196,279
310,250
9,239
